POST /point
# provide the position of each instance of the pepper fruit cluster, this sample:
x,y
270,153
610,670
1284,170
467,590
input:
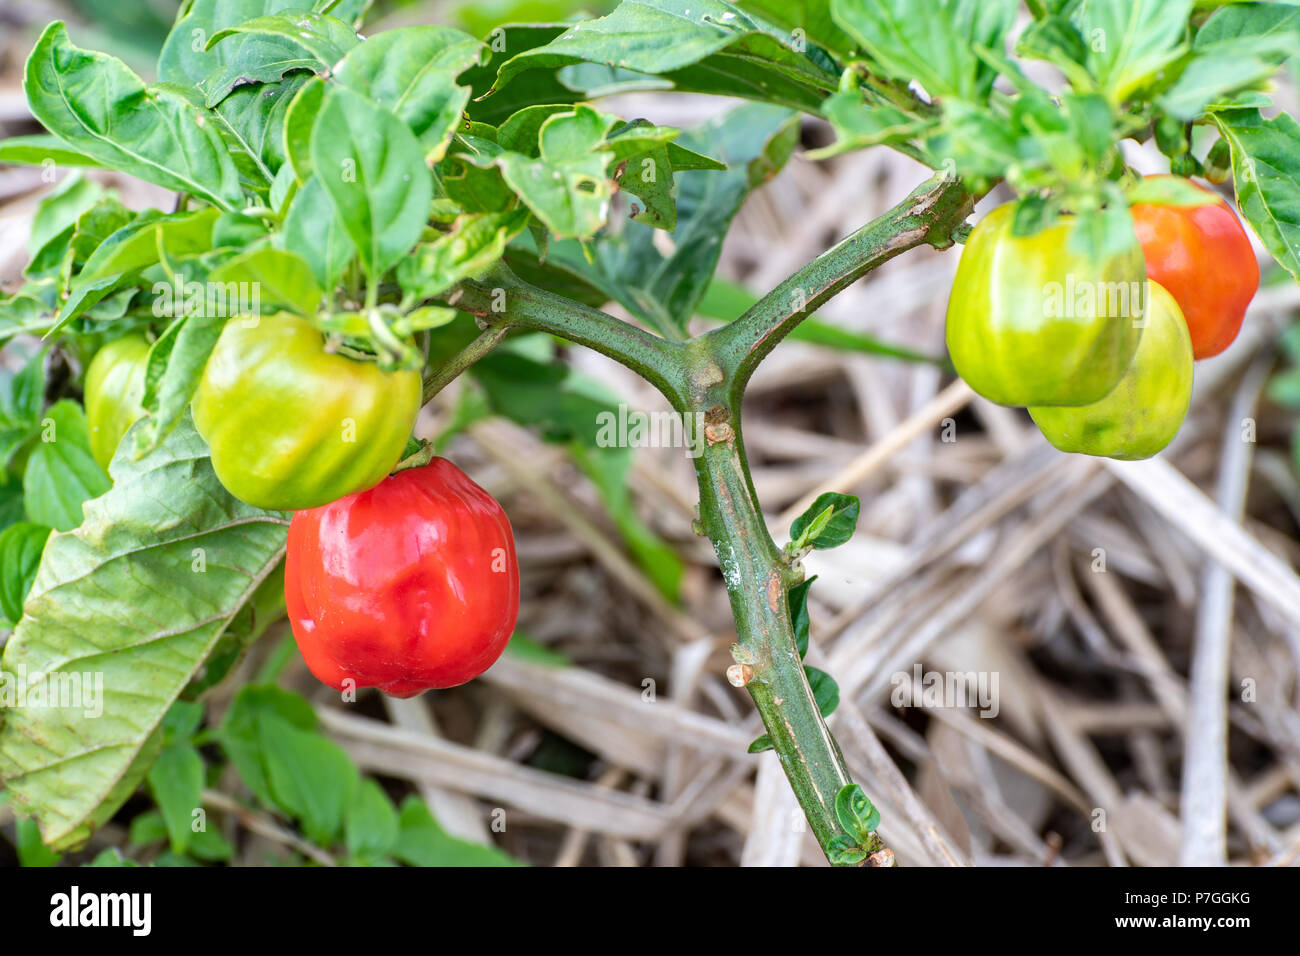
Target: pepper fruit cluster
x,y
404,581
1100,349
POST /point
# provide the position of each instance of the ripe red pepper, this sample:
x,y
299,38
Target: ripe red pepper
x,y
1202,256
410,585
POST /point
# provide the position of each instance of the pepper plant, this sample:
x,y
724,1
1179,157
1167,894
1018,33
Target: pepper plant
x,y
430,201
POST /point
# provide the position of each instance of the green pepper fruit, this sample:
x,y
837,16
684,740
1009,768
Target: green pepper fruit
x,y
1142,415
292,426
114,388
1031,322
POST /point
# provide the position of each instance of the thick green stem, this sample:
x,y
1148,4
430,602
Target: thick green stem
x,y
757,582
704,379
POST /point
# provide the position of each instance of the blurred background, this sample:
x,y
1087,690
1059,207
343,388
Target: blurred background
x,y
1081,595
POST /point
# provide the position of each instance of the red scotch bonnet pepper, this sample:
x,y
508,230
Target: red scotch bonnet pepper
x,y
409,586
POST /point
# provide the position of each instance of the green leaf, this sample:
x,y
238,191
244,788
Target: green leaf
x,y
702,46
299,121
371,825
828,522
566,186
825,690
62,473
261,60
475,243
797,601
284,280
31,851
176,781
100,108
1266,172
759,744
661,288
311,778
844,851
132,248
325,38
856,813
412,71
373,169
40,150
56,216
931,42
423,843
1267,29
21,545
314,231
859,125
1130,41
238,732
185,57
1208,79
251,121
22,396
812,18
137,596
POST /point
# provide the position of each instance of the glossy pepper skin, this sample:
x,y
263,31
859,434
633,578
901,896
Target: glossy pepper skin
x,y
291,426
408,586
1144,412
1031,322
1202,255
114,388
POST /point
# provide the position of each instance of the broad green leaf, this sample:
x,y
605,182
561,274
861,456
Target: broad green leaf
x,y
299,120
1130,41
40,150
252,123
238,733
100,108
185,56
931,42
282,279
62,474
371,824
135,598
1208,79
176,781
811,18
703,46
422,842
21,545
373,169
135,247
1266,172
262,59
1271,29
311,778
543,87
828,523
412,71
319,35
314,231
565,186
